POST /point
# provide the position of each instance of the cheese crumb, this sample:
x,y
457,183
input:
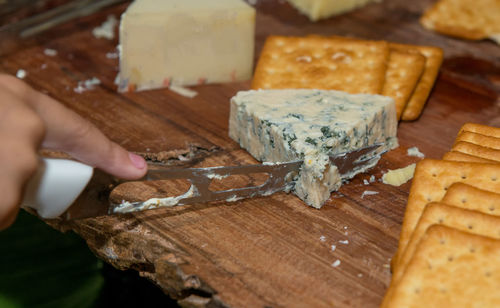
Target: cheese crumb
x,y
400,176
415,152
21,74
336,263
345,242
183,91
368,193
366,182
106,29
50,52
87,85
334,247
112,55
360,275
322,238
372,179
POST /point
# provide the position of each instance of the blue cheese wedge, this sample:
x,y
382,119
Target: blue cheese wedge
x,y
310,125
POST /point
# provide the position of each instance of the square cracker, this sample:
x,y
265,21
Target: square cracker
x,y
431,180
476,150
450,268
433,59
479,139
473,198
474,20
480,129
404,70
476,220
459,156
316,62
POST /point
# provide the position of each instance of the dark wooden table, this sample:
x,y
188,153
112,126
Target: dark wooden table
x,y
264,252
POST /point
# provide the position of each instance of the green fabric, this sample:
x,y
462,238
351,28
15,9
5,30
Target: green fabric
x,y
41,267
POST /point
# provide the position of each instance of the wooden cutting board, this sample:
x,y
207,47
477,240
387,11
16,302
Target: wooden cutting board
x,y
263,252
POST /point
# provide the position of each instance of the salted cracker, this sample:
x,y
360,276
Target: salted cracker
x,y
481,129
316,62
404,70
473,198
433,59
476,150
476,221
475,20
450,268
431,180
459,156
479,139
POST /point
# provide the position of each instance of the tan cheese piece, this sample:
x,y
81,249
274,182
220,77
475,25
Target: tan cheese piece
x,y
400,176
185,42
319,9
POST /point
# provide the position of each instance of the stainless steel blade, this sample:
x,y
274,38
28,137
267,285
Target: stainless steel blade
x,y
348,161
94,201
200,178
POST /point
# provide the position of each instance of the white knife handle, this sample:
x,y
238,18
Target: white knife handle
x,y
56,185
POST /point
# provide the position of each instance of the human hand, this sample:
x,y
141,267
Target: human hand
x,y
30,120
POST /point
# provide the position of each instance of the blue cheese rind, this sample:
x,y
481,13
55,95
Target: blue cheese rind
x,y
310,125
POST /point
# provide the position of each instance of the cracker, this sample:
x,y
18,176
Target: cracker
x,y
464,19
432,179
476,150
316,62
476,221
403,73
450,268
481,129
479,139
473,198
433,59
459,156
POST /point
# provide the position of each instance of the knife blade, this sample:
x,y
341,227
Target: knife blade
x,y
71,190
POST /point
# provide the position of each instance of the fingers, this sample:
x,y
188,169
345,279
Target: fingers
x,y
21,132
67,131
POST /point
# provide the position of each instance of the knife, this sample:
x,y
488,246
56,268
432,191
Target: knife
x,y
72,190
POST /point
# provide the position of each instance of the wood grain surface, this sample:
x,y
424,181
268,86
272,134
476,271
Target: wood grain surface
x,y
263,252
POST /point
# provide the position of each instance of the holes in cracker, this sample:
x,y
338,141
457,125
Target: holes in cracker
x,y
429,199
464,200
487,274
463,176
341,57
305,59
441,220
442,241
434,175
491,208
446,187
470,227
494,178
442,290
472,250
450,258
416,290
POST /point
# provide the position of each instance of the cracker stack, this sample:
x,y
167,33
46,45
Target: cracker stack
x,y
474,20
404,72
451,223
